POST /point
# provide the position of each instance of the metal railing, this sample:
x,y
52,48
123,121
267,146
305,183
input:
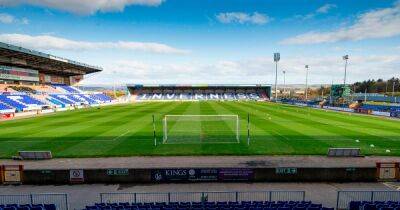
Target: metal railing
x,y
344,197
59,199
202,196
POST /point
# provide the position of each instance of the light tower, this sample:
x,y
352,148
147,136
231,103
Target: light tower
x,y
114,89
393,86
284,81
277,57
306,82
345,58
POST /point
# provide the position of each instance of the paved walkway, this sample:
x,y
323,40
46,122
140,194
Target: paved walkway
x,y
201,162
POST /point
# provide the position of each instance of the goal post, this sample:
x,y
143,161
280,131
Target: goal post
x,y
180,129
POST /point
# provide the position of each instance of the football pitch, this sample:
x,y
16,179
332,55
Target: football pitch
x,y
127,130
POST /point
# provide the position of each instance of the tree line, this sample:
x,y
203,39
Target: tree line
x,y
377,86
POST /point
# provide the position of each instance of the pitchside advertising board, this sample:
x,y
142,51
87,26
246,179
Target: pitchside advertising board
x,y
195,174
76,176
18,74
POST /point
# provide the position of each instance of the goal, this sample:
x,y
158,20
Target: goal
x,y
181,129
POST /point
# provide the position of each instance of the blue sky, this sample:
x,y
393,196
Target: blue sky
x,y
211,41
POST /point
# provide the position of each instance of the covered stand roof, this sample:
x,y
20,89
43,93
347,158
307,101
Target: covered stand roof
x,y
43,62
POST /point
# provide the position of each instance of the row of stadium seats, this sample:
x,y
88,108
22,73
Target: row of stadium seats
x,y
23,101
389,99
20,101
4,107
67,89
244,205
28,207
205,96
380,108
375,205
78,99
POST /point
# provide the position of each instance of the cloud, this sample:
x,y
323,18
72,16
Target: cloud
x,y
47,42
323,69
321,10
242,18
9,19
83,7
6,18
24,21
325,8
380,23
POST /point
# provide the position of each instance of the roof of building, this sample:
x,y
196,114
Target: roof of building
x,y
43,62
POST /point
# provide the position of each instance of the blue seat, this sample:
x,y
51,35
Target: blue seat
x,y
313,205
313,208
92,208
50,207
37,208
256,208
369,207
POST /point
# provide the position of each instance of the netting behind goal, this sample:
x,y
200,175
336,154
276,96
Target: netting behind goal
x,y
180,129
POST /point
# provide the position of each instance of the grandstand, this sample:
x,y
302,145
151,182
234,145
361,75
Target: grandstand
x,y
35,81
199,92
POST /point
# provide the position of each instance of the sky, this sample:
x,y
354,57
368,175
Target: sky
x,y
212,41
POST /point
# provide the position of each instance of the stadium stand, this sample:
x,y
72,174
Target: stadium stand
x,y
78,99
243,205
21,101
374,205
198,93
25,98
28,207
27,88
380,108
66,88
376,98
197,96
392,110
99,97
5,109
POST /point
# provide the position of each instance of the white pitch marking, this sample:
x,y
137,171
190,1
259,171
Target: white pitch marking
x,y
120,135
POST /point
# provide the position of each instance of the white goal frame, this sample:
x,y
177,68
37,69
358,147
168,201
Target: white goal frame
x,y
165,125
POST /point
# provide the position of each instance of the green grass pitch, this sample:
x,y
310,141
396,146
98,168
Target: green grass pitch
x,y
126,130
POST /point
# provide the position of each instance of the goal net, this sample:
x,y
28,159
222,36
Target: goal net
x,y
180,129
